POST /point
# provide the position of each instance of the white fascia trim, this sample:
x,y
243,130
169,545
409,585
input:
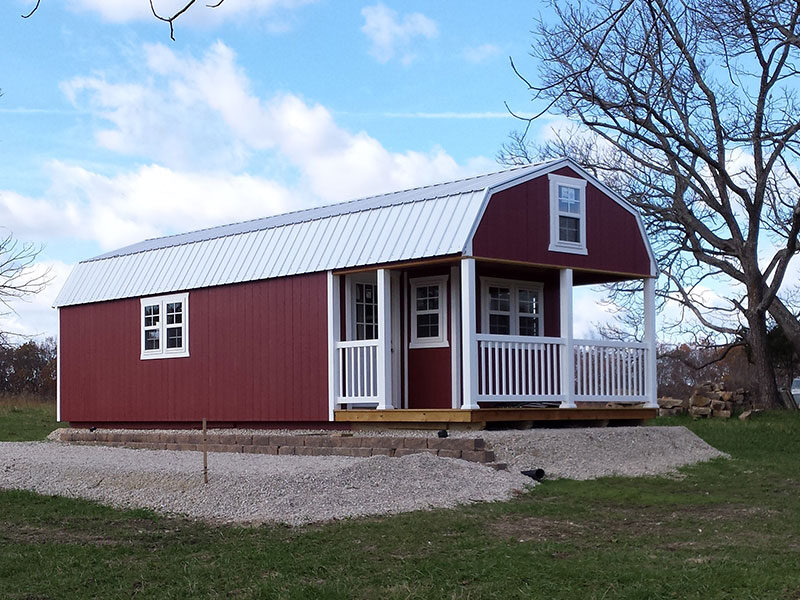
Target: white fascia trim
x,y
455,336
441,340
466,250
58,365
557,245
163,352
334,316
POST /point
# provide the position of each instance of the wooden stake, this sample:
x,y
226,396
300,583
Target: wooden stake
x,y
205,453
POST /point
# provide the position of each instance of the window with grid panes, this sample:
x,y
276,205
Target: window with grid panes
x,y
512,308
365,301
428,312
567,214
165,328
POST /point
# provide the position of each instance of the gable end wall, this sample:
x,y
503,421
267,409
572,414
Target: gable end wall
x,y
516,227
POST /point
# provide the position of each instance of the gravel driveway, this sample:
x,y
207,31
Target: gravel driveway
x,y
295,490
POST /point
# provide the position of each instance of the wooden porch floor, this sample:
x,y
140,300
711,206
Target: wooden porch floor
x,y
446,417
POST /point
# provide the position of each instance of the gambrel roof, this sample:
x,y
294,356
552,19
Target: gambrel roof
x,y
424,222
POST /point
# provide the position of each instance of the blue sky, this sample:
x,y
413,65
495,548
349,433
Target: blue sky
x,y
111,133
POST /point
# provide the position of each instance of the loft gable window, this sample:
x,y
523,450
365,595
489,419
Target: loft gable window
x,y
165,326
511,307
567,214
428,312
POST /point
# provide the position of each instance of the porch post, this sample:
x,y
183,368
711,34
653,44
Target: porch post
x,y
455,336
650,340
384,340
334,316
567,352
469,345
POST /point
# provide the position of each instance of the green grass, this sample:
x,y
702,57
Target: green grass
x,y
26,418
724,529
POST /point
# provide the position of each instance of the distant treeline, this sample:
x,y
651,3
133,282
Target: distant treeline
x,y
683,367
29,368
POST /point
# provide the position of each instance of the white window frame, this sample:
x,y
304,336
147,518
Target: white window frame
x,y
428,342
514,286
556,244
163,351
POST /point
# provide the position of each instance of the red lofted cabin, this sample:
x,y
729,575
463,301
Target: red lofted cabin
x,y
445,303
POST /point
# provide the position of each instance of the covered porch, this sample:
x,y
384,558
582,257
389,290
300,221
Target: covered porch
x,y
504,346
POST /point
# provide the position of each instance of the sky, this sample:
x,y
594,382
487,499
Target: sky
x,y
111,133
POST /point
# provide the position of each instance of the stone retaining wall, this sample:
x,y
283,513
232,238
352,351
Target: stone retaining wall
x,y
471,449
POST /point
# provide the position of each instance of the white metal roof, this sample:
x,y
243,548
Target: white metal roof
x,y
435,220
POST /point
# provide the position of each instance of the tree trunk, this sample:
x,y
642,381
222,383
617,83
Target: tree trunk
x,y
759,355
787,322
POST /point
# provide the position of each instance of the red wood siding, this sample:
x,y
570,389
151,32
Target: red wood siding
x,y
258,353
429,369
516,226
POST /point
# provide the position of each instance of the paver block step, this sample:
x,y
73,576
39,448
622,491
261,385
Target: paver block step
x,y
471,449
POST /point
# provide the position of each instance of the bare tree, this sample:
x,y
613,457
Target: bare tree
x,y
170,18
18,277
693,116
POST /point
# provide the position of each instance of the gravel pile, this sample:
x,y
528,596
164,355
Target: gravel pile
x,y
254,488
600,451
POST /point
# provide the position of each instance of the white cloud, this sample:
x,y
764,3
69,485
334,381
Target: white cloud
x,y
34,316
192,179
147,202
390,34
482,53
590,310
157,120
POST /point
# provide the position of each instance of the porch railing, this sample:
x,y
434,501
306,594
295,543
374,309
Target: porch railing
x,y
518,369
606,370
526,369
358,371
511,368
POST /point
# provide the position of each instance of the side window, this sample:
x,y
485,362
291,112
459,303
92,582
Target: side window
x,y
428,312
165,326
511,307
567,214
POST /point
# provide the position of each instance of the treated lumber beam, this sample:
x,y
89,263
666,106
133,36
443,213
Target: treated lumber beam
x,y
484,415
